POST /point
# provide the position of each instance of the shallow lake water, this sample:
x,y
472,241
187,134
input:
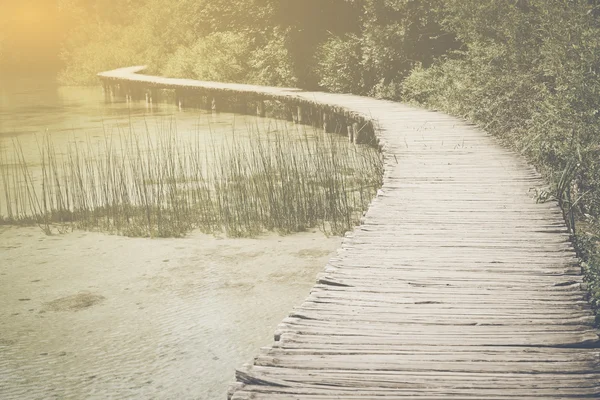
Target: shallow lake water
x,y
91,315
35,115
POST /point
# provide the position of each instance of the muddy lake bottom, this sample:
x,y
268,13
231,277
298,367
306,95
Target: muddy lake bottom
x,y
91,315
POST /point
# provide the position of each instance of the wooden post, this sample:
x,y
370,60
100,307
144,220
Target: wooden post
x,y
350,128
260,109
179,99
356,133
133,92
315,117
340,125
150,98
299,115
106,91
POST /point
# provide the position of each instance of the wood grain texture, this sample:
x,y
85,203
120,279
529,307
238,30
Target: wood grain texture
x,y
458,285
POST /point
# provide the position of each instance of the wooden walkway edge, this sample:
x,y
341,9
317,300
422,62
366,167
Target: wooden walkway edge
x,y
457,285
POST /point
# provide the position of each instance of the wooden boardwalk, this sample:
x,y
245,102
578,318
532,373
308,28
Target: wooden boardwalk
x,y
457,286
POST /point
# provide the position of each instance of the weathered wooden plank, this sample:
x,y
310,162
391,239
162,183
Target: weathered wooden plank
x,y
416,383
454,353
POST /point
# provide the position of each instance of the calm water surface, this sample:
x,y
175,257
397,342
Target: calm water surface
x,y
89,315
32,111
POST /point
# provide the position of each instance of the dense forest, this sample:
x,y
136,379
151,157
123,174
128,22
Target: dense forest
x,y
525,70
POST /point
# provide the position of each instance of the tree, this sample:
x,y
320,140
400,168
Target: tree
x,y
394,37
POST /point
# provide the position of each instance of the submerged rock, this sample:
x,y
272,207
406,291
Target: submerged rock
x,y
75,302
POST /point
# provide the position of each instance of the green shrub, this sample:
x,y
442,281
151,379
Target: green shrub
x,y
234,57
529,73
111,48
270,62
339,65
221,56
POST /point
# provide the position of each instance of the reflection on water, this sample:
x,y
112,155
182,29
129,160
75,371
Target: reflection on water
x,y
88,315
82,114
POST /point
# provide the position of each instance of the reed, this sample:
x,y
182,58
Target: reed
x,y
280,180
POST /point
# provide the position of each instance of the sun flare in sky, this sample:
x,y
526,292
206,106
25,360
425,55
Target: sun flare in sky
x,y
31,32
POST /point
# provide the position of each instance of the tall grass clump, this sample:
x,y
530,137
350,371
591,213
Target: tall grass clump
x,y
284,181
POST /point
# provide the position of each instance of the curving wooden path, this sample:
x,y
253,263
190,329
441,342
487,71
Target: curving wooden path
x,y
457,285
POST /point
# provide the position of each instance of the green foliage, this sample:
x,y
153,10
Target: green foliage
x,y
111,48
395,36
220,56
260,41
399,34
108,36
339,65
529,73
233,57
271,63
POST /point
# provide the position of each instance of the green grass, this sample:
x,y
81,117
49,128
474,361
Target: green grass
x,y
279,180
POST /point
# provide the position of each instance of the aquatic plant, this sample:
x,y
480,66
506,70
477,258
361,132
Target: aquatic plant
x,y
280,180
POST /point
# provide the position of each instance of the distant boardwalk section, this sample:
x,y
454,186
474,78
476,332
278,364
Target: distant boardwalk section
x,y
458,285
